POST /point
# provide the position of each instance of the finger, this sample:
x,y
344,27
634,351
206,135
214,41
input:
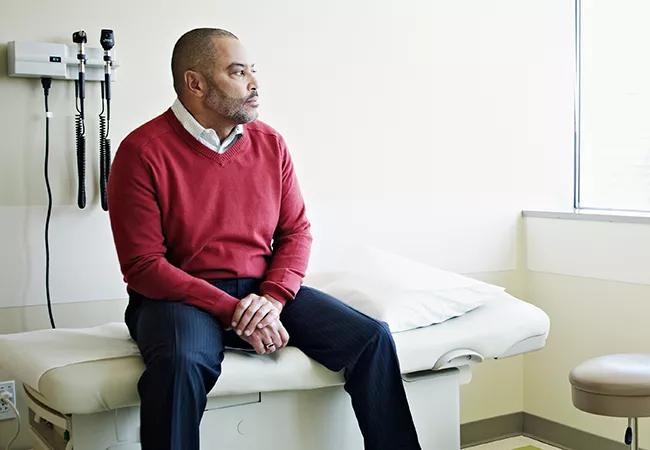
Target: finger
x,y
284,334
243,304
257,342
248,314
277,339
261,313
269,339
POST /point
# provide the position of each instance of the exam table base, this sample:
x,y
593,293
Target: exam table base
x,y
319,419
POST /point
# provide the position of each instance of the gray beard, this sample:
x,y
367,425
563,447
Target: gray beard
x,y
241,116
232,108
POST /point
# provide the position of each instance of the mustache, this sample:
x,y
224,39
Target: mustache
x,y
252,96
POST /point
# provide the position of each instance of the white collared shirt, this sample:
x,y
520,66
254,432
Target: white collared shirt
x,y
207,136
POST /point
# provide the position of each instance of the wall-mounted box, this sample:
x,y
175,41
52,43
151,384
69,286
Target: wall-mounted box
x,y
58,61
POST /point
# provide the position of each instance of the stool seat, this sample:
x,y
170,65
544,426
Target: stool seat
x,y
613,385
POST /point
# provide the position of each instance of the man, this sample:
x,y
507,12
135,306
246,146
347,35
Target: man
x,y
213,241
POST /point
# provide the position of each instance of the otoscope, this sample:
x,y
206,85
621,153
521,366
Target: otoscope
x,y
79,38
107,40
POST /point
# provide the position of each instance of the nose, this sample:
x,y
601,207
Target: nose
x,y
252,83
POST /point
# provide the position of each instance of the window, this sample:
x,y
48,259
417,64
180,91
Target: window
x,y
613,105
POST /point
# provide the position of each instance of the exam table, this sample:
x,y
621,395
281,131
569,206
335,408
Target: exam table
x,y
81,385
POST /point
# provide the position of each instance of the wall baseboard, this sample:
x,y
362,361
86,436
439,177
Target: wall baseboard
x,y
492,429
543,430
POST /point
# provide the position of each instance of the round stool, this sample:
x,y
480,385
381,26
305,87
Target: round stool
x,y
616,386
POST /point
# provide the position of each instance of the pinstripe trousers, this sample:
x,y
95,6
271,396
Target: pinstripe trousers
x,y
182,347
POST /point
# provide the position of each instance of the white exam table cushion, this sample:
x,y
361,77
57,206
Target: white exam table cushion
x,y
33,353
107,380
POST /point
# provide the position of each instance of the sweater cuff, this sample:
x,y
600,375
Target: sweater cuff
x,y
225,313
222,306
276,291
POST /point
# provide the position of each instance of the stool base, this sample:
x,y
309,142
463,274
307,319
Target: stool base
x,y
632,433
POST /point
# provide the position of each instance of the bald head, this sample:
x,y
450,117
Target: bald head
x,y
195,50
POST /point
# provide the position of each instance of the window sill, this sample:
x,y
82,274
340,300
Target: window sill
x,y
592,215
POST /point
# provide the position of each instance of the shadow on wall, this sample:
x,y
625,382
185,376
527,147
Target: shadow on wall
x,y
3,62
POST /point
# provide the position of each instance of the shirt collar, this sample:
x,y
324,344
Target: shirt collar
x,y
206,136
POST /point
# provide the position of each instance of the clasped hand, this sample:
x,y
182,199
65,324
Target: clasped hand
x,y
257,321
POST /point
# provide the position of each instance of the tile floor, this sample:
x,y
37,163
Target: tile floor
x,y
512,443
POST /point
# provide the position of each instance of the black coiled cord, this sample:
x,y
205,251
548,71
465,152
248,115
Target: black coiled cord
x,y
104,151
81,160
104,161
80,137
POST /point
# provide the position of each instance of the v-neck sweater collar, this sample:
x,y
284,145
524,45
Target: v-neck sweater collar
x,y
196,145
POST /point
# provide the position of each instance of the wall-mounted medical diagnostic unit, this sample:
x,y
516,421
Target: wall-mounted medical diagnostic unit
x,y
79,63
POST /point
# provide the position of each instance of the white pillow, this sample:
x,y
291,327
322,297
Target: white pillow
x,y
404,293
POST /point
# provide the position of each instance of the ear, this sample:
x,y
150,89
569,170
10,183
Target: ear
x,y
195,83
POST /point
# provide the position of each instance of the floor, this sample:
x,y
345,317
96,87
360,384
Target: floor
x,y
513,444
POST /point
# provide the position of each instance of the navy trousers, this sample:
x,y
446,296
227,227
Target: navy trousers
x,y
183,347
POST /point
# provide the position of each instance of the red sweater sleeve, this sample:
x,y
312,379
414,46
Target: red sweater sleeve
x,y
136,223
291,239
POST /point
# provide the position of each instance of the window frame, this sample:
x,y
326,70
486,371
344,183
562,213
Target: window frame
x,y
577,110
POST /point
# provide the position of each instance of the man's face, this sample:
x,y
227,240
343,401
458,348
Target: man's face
x,y
232,87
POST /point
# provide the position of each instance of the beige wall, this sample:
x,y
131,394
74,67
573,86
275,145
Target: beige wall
x,y
589,318
604,310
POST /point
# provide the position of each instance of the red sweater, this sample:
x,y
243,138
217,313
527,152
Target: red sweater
x,y
182,214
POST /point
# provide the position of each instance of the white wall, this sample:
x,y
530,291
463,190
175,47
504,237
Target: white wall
x,y
418,123
424,127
